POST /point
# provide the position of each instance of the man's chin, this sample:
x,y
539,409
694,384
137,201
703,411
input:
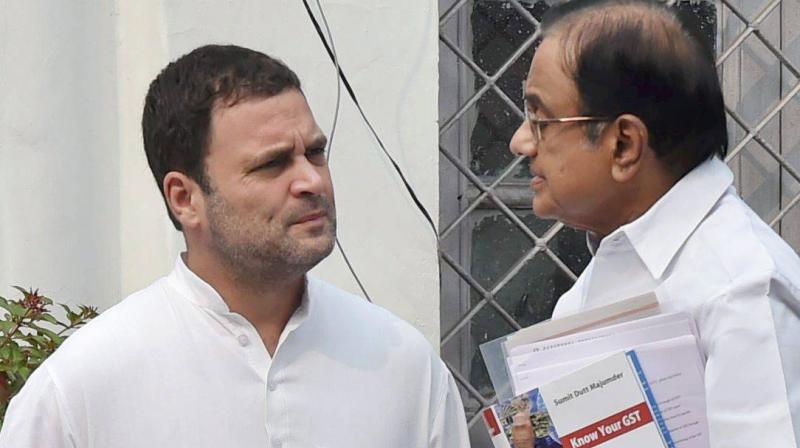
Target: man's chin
x,y
316,248
543,209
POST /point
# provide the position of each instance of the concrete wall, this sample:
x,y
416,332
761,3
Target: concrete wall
x,y
80,216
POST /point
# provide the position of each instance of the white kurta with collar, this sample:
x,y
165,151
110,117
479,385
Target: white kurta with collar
x,y
702,249
171,367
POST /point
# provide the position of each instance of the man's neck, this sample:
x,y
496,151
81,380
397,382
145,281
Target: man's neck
x,y
643,198
266,302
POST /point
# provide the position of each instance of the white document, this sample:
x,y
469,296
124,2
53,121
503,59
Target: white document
x,y
674,371
496,351
621,311
571,338
620,375
597,342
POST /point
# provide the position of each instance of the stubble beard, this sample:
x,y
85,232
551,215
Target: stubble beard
x,y
254,251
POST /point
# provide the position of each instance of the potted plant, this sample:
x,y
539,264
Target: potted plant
x,y
29,333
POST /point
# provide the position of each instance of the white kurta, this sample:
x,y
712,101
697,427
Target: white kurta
x,y
702,249
171,367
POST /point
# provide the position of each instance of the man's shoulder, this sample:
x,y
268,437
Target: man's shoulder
x,y
361,333
363,323
738,244
332,299
114,334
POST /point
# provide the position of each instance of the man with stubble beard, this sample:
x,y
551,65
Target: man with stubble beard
x,y
238,347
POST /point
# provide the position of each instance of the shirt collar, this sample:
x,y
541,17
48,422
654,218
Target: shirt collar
x,y
592,242
205,296
195,289
657,235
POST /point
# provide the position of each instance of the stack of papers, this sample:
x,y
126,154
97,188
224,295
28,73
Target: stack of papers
x,y
613,377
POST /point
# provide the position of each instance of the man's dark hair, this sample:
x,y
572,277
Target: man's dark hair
x,y
645,58
178,107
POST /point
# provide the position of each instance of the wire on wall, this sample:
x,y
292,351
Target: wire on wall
x,y
343,78
335,58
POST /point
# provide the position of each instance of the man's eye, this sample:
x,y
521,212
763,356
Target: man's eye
x,y
273,164
316,154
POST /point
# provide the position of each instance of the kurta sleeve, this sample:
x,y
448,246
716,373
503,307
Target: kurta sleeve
x,y
449,428
746,393
37,417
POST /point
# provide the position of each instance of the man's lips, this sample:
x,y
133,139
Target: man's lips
x,y
318,215
537,179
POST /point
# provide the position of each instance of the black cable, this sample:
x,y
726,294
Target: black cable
x,y
343,78
332,53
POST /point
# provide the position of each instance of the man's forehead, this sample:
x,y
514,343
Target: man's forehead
x,y
548,57
547,82
276,123
286,108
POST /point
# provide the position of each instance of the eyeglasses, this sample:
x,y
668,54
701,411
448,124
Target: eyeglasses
x,y
537,124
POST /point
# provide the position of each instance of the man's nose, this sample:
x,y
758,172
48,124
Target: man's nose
x,y
522,142
307,178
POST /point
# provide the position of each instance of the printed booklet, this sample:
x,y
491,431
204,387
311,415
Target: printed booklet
x,y
613,377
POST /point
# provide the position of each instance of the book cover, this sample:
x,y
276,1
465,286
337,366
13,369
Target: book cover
x,y
607,404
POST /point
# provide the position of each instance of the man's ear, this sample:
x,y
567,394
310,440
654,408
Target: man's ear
x,y
185,199
629,137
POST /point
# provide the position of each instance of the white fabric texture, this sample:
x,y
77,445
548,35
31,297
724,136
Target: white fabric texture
x,y
171,366
701,248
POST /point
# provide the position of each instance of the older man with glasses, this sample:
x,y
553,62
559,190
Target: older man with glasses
x,y
625,131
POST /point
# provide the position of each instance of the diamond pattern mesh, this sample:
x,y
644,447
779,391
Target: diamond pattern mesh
x,y
503,268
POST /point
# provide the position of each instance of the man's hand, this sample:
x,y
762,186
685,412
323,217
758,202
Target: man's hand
x,y
522,430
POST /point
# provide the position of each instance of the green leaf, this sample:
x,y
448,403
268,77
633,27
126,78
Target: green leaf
x,y
50,334
5,350
40,341
24,372
14,308
35,342
15,353
88,312
6,326
47,317
36,356
72,316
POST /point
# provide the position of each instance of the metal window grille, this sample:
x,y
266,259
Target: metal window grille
x,y
503,268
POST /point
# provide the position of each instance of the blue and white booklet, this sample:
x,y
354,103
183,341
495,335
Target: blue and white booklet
x,y
630,384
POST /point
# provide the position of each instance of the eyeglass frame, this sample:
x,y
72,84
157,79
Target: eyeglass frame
x,y
536,123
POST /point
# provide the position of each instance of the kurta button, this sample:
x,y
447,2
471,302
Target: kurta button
x,y
244,341
272,387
